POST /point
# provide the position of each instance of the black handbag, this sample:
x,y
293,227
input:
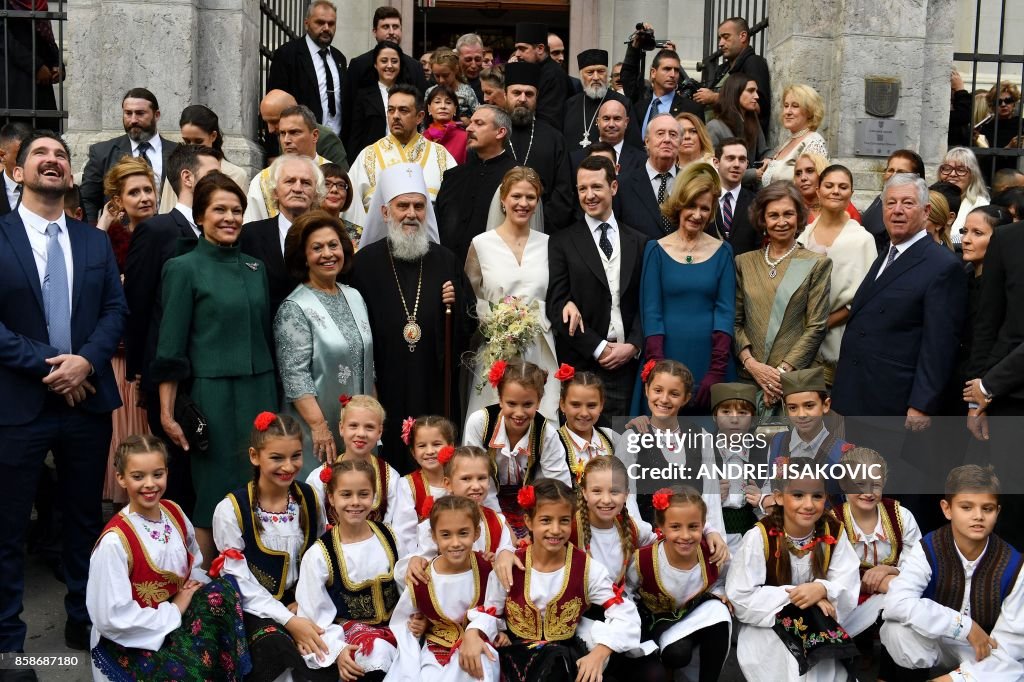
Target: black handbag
x,y
192,422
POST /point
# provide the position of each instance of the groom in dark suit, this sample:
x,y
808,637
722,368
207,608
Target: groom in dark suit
x,y
596,264
61,317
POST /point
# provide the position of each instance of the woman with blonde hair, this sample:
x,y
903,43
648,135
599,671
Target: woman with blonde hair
x,y
938,219
807,178
694,143
802,112
960,167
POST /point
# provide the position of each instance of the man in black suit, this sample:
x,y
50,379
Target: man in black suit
x,y
612,124
140,114
596,264
311,69
387,25
297,183
11,137
661,97
732,222
553,86
153,243
556,50
739,57
643,190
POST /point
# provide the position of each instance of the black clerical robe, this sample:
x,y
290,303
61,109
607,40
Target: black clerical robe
x,y
548,156
411,384
581,111
465,198
552,91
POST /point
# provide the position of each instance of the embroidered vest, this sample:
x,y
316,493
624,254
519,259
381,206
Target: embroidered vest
x,y
776,550
994,576
493,526
892,526
654,595
420,493
576,533
573,458
151,586
441,629
563,612
268,566
535,438
372,600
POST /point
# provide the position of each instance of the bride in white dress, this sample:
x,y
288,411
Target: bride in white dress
x,y
512,260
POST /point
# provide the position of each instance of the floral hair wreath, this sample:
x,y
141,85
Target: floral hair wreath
x,y
264,420
565,372
407,425
526,497
663,498
497,372
326,473
344,399
648,368
445,454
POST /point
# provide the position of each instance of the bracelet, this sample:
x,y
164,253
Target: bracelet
x,y
744,363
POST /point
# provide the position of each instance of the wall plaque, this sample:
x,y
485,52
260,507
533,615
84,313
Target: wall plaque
x,y
879,136
881,96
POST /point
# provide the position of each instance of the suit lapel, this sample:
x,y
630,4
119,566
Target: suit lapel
x,y
907,260
585,246
15,230
78,255
627,258
647,196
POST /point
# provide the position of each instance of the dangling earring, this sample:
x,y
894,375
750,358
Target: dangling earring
x,y
503,209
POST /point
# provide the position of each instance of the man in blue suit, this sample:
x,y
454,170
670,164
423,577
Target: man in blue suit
x,y
62,314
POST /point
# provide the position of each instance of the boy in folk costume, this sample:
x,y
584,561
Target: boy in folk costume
x,y
958,601
807,401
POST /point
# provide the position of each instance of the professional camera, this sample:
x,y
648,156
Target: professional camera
x,y
687,87
646,39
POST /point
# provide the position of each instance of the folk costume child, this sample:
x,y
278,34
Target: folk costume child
x,y
522,444
958,602
734,410
467,473
426,437
156,615
362,423
680,593
437,607
881,531
262,531
347,584
807,401
546,600
794,583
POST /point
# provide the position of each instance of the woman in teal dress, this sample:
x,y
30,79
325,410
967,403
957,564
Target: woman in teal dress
x,y
215,344
322,334
688,289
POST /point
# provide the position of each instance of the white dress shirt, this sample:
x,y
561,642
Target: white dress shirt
x,y
612,268
798,447
187,212
155,156
656,181
332,122
901,249
35,227
283,225
13,191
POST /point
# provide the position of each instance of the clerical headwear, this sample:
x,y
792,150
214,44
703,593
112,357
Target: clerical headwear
x,y
522,73
733,391
803,381
532,34
592,58
393,181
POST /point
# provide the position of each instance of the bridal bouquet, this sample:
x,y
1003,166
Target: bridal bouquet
x,y
508,329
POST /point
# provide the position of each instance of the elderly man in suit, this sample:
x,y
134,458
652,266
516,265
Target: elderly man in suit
x,y
140,114
595,265
665,75
310,68
297,184
643,190
61,319
732,219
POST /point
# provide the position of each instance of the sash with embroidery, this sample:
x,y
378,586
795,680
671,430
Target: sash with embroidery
x,y
657,605
372,600
443,632
776,549
563,612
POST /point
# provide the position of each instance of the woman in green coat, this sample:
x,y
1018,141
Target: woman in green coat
x,y
215,341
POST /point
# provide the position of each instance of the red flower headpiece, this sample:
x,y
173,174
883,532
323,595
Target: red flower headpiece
x,y
427,505
523,543
344,399
407,425
565,372
846,447
648,368
445,454
264,420
497,372
526,497
662,498
326,473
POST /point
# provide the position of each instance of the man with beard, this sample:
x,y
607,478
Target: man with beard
x,y
581,111
536,144
408,281
612,123
310,69
738,57
553,85
467,191
139,115
470,49
403,144
297,185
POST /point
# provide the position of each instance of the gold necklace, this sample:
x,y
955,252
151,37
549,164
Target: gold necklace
x,y
411,332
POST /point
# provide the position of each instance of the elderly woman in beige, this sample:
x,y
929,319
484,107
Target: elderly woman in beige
x,y
848,245
802,113
782,296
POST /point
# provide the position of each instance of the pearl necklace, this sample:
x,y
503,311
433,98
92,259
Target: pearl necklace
x,y
799,133
773,271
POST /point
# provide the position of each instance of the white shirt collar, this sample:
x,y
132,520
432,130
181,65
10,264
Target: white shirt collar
x,y
187,212
11,184
314,49
154,143
735,192
876,535
651,172
38,222
594,223
901,248
796,442
618,150
965,561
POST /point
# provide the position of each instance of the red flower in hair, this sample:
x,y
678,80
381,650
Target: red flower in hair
x,y
662,499
648,368
407,425
523,543
264,420
344,399
326,473
329,527
497,372
526,497
427,505
846,447
445,454
565,372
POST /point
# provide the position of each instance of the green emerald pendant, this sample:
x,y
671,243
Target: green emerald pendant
x,y
689,259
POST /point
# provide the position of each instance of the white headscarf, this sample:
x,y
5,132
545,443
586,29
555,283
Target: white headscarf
x,y
393,181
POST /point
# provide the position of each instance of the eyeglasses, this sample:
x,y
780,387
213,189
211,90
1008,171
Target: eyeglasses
x,y
1007,100
958,171
340,185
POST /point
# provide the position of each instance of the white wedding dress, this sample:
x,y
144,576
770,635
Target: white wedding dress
x,y
500,275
